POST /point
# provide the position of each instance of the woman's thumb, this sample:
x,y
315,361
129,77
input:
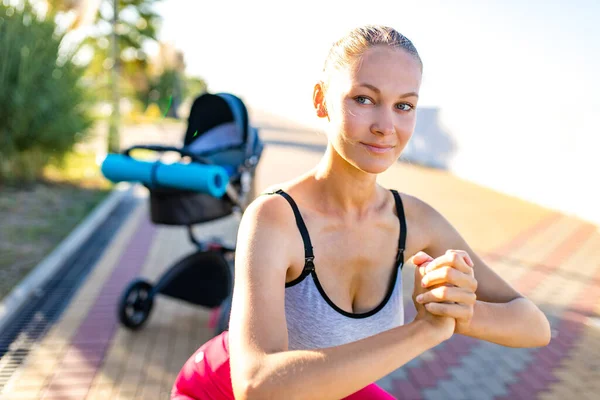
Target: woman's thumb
x,y
420,258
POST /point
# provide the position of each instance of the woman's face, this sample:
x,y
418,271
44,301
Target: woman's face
x,y
371,107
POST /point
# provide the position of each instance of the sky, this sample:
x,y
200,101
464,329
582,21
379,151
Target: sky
x,y
271,53
515,82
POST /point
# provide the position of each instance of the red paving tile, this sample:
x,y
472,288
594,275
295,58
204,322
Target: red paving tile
x,y
569,330
534,379
91,331
405,390
74,375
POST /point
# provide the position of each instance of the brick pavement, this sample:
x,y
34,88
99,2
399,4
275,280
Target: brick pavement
x,y
554,259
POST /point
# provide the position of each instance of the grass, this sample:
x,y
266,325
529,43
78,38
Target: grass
x,y
37,217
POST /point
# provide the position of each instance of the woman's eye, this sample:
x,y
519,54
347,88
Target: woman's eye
x,y
405,107
363,100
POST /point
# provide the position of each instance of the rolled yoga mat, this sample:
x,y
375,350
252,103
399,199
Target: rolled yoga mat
x,y
210,179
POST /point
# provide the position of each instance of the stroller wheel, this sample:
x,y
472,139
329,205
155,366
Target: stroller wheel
x,y
136,304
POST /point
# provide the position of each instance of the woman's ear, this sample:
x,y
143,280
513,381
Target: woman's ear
x,y
319,100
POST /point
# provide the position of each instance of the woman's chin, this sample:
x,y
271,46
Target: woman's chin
x,y
373,166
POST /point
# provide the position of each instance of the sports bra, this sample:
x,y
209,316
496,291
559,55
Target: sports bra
x,y
314,321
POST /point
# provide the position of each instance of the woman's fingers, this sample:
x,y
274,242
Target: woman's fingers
x,y
458,259
456,311
449,275
451,282
420,258
447,294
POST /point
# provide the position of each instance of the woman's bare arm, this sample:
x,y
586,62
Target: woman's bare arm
x,y
261,366
501,314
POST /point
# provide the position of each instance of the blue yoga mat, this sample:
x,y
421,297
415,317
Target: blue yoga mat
x,y
210,179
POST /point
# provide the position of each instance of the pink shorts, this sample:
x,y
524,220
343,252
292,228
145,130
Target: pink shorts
x,y
206,376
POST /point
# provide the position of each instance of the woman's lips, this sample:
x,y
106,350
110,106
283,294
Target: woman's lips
x,y
377,148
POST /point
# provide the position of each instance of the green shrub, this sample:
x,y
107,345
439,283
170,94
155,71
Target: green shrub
x,y
44,108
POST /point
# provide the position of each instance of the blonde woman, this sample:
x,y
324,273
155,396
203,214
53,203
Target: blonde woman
x,y
317,309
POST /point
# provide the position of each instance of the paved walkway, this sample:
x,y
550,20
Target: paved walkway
x,y
552,258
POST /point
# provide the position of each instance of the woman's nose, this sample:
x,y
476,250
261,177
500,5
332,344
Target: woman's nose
x,y
384,124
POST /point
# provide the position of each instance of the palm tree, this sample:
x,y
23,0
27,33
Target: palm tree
x,y
137,20
133,23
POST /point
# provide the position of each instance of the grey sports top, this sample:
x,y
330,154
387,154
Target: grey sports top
x,y
314,321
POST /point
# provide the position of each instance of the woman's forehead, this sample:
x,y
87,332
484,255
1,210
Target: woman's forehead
x,y
386,68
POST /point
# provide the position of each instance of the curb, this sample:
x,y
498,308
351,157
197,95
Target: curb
x,y
46,269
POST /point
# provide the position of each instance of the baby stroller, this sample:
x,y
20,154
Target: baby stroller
x,y
219,132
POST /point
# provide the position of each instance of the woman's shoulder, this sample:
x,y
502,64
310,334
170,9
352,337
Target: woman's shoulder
x,y
270,208
293,185
420,217
412,205
415,206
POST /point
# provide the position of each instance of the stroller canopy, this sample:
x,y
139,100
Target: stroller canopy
x,y
219,129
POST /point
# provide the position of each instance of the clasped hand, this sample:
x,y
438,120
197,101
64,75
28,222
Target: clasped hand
x,y
446,286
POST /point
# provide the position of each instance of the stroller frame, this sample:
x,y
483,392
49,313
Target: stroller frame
x,y
204,277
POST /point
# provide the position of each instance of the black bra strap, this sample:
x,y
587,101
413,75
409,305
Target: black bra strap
x,y
402,239
308,250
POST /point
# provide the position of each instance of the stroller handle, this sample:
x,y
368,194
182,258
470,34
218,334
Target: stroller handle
x,y
162,149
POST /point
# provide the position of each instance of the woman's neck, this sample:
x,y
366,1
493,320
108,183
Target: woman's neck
x,y
344,190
